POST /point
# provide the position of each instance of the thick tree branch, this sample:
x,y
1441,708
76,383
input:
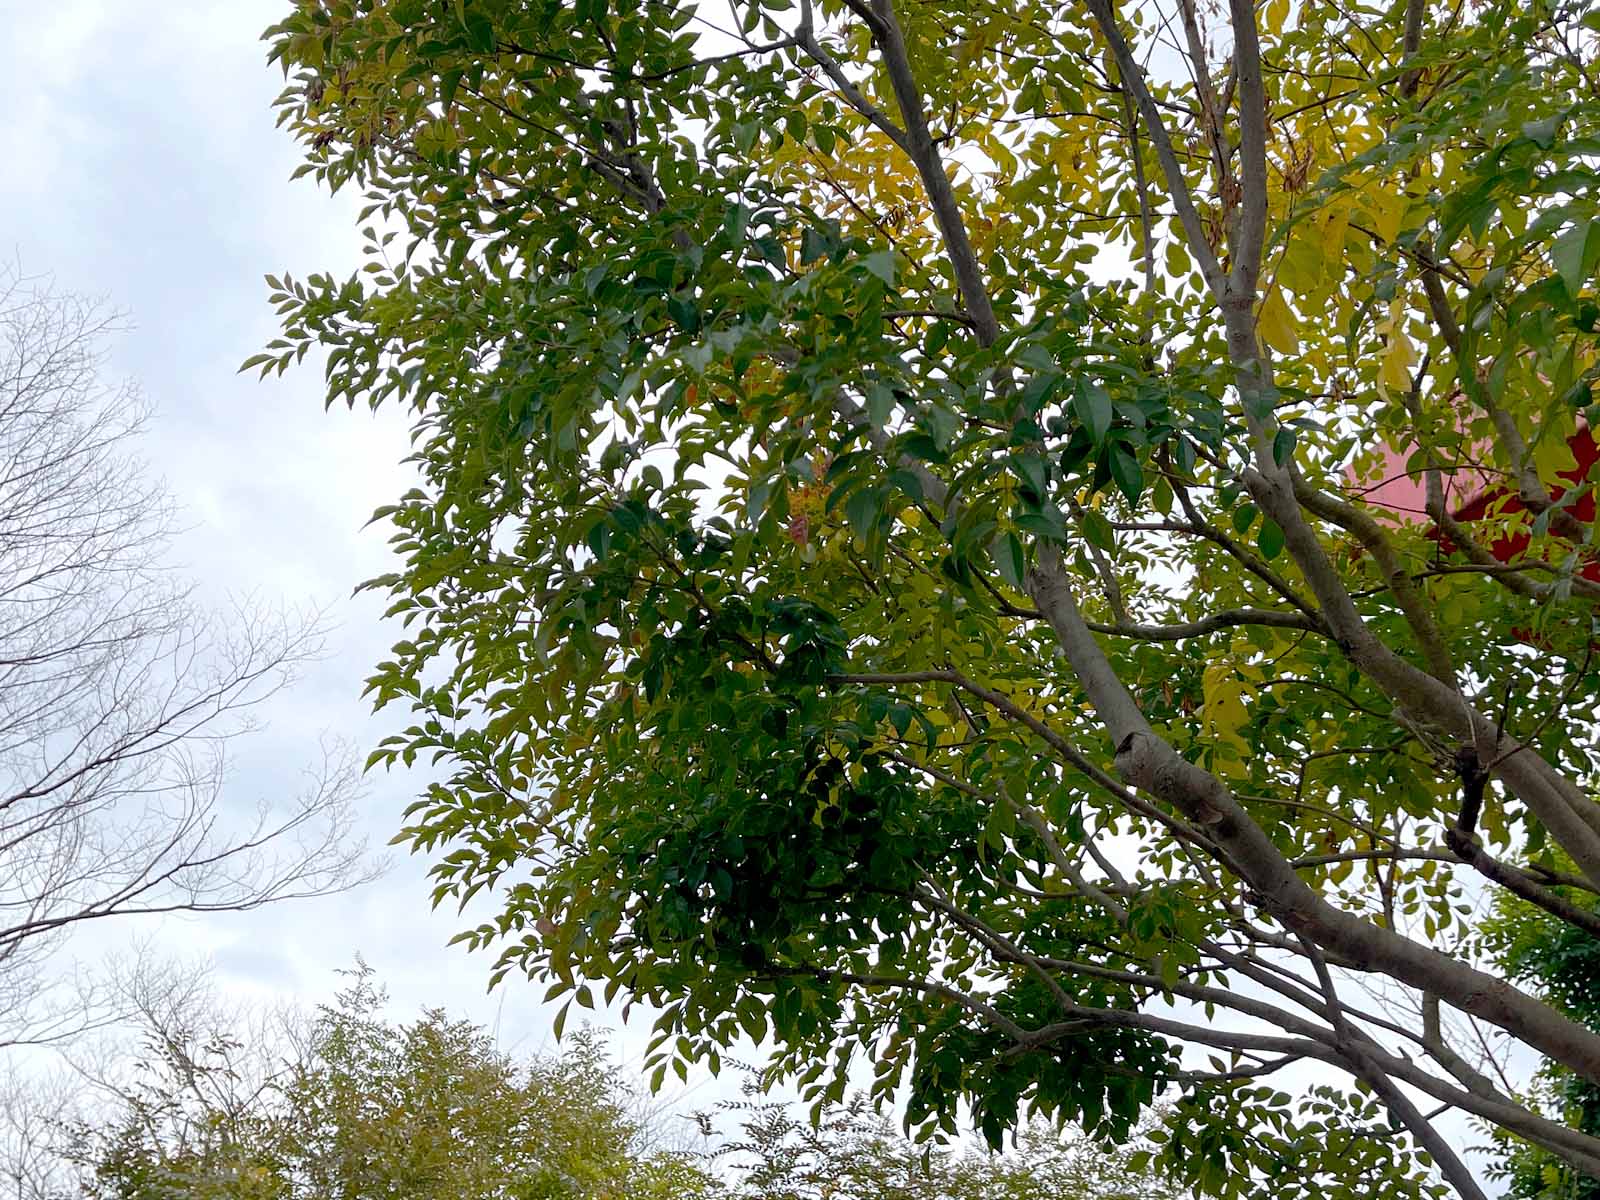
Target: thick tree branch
x,y
924,154
1148,762
1371,535
805,38
1228,619
1410,43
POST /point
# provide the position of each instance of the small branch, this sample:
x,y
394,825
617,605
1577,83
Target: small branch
x,y
1177,186
1068,753
1210,115
1530,488
924,153
1254,182
1247,559
1427,1134
1227,619
805,39
1108,576
1142,186
1371,535
1526,743
1035,821
1433,1041
937,314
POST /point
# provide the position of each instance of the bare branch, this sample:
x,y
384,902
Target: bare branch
x,y
119,696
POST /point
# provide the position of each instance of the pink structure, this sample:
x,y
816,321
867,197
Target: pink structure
x,y
1474,494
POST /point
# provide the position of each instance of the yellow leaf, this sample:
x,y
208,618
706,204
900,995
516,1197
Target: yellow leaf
x,y
1394,372
1275,323
1223,715
1388,212
1061,154
1177,258
1300,268
1552,457
1333,240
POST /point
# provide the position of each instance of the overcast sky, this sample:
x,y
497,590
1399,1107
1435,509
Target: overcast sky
x,y
141,164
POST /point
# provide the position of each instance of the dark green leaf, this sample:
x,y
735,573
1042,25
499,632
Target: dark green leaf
x,y
1009,560
1126,471
1098,530
1269,539
881,264
1092,404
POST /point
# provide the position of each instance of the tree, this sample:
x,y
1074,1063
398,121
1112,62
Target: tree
x,y
1562,962
852,1153
889,575
355,1106
183,1112
434,1109
119,694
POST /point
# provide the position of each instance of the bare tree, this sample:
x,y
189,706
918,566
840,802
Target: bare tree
x,y
120,695
185,1067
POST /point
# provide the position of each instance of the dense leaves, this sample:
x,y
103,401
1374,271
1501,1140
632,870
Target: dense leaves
x,y
366,1108
1563,963
891,574
853,1154
363,1107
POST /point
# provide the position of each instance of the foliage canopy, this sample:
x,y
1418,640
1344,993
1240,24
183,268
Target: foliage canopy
x,y
355,1106
365,1109
887,575
852,1153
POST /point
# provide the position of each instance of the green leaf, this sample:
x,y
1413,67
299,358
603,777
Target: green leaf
x,y
881,264
1008,559
1575,253
1542,132
1098,530
813,245
1034,472
480,33
1126,471
760,493
908,483
880,403
1092,404
862,509
1046,523
1269,539
1283,445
